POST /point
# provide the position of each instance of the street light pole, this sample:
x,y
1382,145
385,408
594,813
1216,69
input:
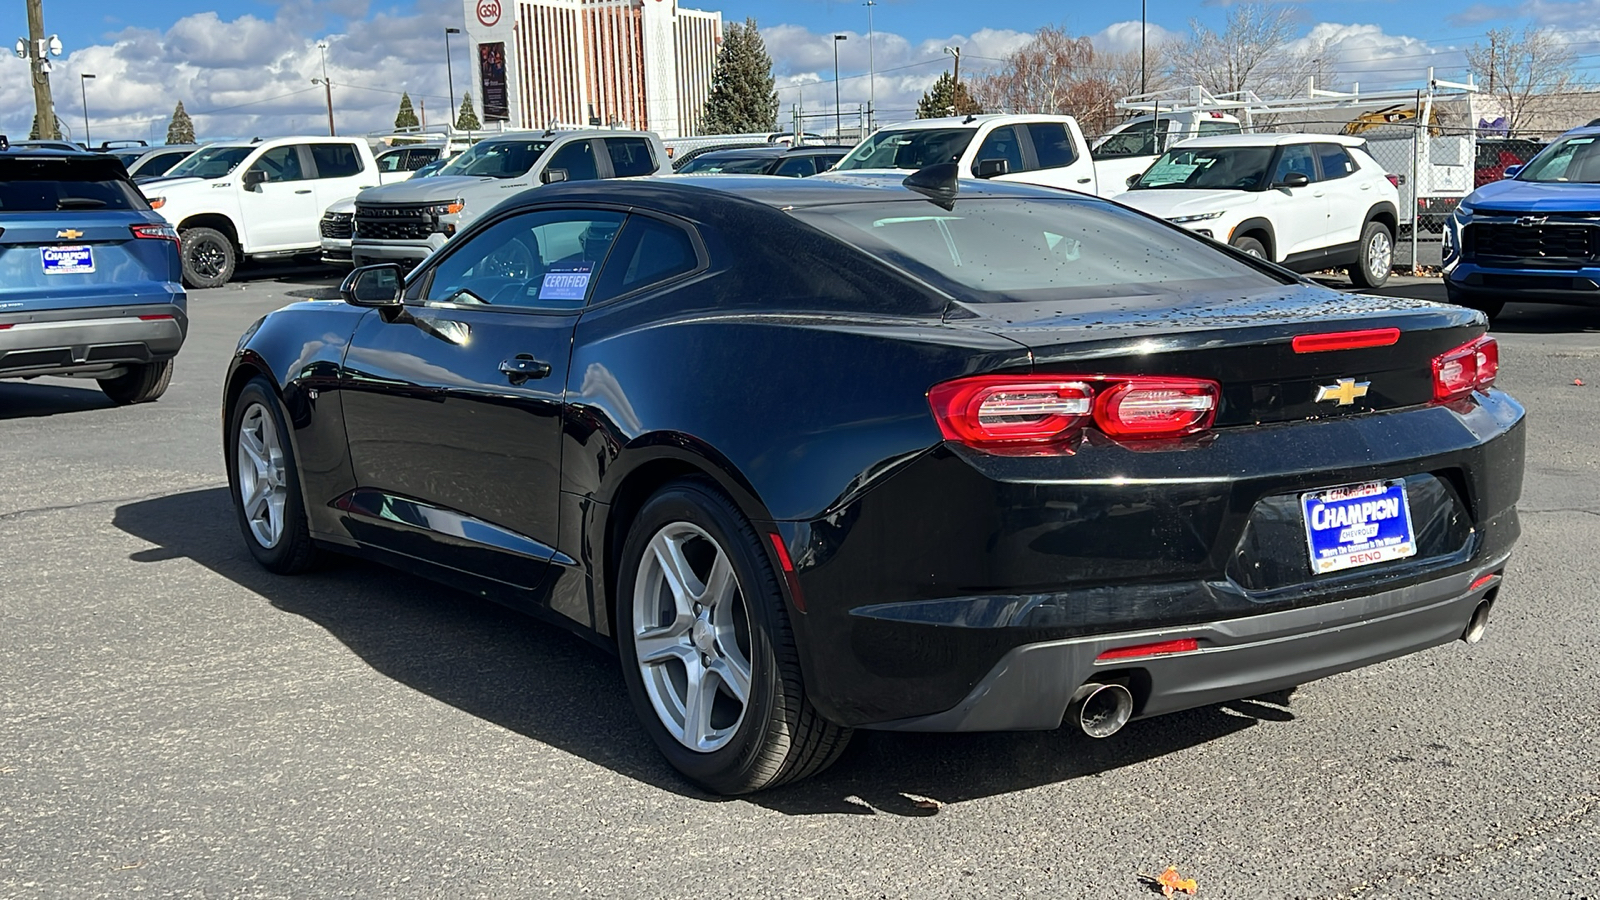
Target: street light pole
x,y
83,82
837,127
1142,29
450,75
872,68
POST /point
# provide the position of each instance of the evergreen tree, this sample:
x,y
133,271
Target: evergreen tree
x,y
406,117
947,98
181,129
742,99
467,120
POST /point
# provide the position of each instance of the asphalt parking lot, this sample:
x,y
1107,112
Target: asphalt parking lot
x,y
175,721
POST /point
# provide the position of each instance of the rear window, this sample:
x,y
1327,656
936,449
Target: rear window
x,y
1018,250
77,183
726,165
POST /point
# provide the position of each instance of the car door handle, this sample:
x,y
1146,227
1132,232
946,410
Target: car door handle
x,y
522,367
307,191
1083,181
1367,186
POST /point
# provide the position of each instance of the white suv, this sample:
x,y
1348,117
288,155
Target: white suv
x,y
1305,201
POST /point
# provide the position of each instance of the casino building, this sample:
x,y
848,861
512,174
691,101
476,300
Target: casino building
x,y
646,64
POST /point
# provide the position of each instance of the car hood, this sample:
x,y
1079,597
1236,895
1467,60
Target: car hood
x,y
347,206
424,190
1170,203
166,183
1536,196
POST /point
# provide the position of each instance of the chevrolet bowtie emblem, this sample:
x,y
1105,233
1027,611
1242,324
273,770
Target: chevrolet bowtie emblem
x,y
70,234
1530,221
1346,391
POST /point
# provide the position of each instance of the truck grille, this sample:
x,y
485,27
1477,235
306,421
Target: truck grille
x,y
1539,245
338,226
393,223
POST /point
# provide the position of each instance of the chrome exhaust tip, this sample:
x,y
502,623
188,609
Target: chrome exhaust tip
x,y
1479,623
1103,709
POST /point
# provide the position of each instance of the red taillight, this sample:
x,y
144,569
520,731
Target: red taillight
x,y
4,327
1163,648
989,411
1393,179
1345,340
1469,367
155,232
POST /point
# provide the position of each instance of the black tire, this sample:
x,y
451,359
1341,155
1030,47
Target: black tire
x,y
209,258
1252,246
1489,306
140,384
781,737
1375,259
293,552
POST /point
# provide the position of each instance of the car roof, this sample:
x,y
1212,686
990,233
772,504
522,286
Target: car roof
x,y
773,151
1271,140
973,121
553,134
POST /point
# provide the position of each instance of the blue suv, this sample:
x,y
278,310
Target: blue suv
x,y
1534,236
89,275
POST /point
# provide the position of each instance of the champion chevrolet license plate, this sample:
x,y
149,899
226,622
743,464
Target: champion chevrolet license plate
x,y
1358,525
68,260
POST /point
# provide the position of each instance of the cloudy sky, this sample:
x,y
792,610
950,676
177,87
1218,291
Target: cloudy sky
x,y
243,67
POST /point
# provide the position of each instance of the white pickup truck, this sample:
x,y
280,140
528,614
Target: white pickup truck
x,y
260,199
1033,149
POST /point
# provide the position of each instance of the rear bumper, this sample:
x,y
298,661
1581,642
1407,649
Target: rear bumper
x,y
1032,685
89,341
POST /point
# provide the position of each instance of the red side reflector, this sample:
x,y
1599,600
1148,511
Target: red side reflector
x,y
4,327
1345,340
155,318
783,552
1482,580
789,576
1164,648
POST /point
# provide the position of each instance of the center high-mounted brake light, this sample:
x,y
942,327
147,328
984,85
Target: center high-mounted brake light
x,y
1469,367
998,411
1345,340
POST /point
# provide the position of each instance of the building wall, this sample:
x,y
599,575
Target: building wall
x,y
643,63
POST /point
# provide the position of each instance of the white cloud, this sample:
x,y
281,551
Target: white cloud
x,y
1123,37
1367,55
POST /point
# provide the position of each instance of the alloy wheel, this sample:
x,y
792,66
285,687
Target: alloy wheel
x,y
691,636
263,485
207,259
1380,254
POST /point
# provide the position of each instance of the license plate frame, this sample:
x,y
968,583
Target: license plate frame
x,y
1357,525
74,259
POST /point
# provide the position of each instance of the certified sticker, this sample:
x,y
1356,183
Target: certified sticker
x,y
565,283
68,260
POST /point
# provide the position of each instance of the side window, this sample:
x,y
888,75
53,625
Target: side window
x,y
418,157
797,167
1296,158
577,160
1336,162
336,160
538,260
1002,144
1138,140
160,164
1214,127
649,251
280,164
630,156
1052,145
393,161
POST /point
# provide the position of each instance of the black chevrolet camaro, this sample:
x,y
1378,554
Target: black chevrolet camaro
x,y
851,452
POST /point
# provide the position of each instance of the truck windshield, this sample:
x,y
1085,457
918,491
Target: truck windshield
x,y
1575,160
1208,168
912,148
497,159
211,162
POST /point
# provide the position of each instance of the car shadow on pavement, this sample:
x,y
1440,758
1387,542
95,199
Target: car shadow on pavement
x,y
25,399
534,679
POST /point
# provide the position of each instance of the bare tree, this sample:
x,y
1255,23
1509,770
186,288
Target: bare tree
x,y
1053,73
1526,72
1251,53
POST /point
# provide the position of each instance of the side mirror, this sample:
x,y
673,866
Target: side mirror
x,y
1134,179
253,179
375,287
552,176
989,168
1511,171
1294,180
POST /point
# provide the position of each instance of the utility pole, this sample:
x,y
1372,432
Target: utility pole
x,y
872,68
450,74
955,52
1143,28
327,85
837,119
83,82
44,106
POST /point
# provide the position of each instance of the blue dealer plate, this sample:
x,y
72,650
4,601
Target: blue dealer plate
x,y
67,260
1358,525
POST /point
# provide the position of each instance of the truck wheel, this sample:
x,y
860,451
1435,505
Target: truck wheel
x,y
208,258
1376,257
1251,246
140,384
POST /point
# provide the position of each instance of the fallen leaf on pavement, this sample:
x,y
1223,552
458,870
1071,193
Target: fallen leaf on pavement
x,y
1578,382
1171,883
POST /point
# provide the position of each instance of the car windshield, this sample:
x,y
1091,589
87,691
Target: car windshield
x,y
727,165
1575,160
1214,168
497,159
1035,249
912,148
212,162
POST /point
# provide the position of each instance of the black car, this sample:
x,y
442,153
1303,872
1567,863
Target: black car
x,y
794,162
841,452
